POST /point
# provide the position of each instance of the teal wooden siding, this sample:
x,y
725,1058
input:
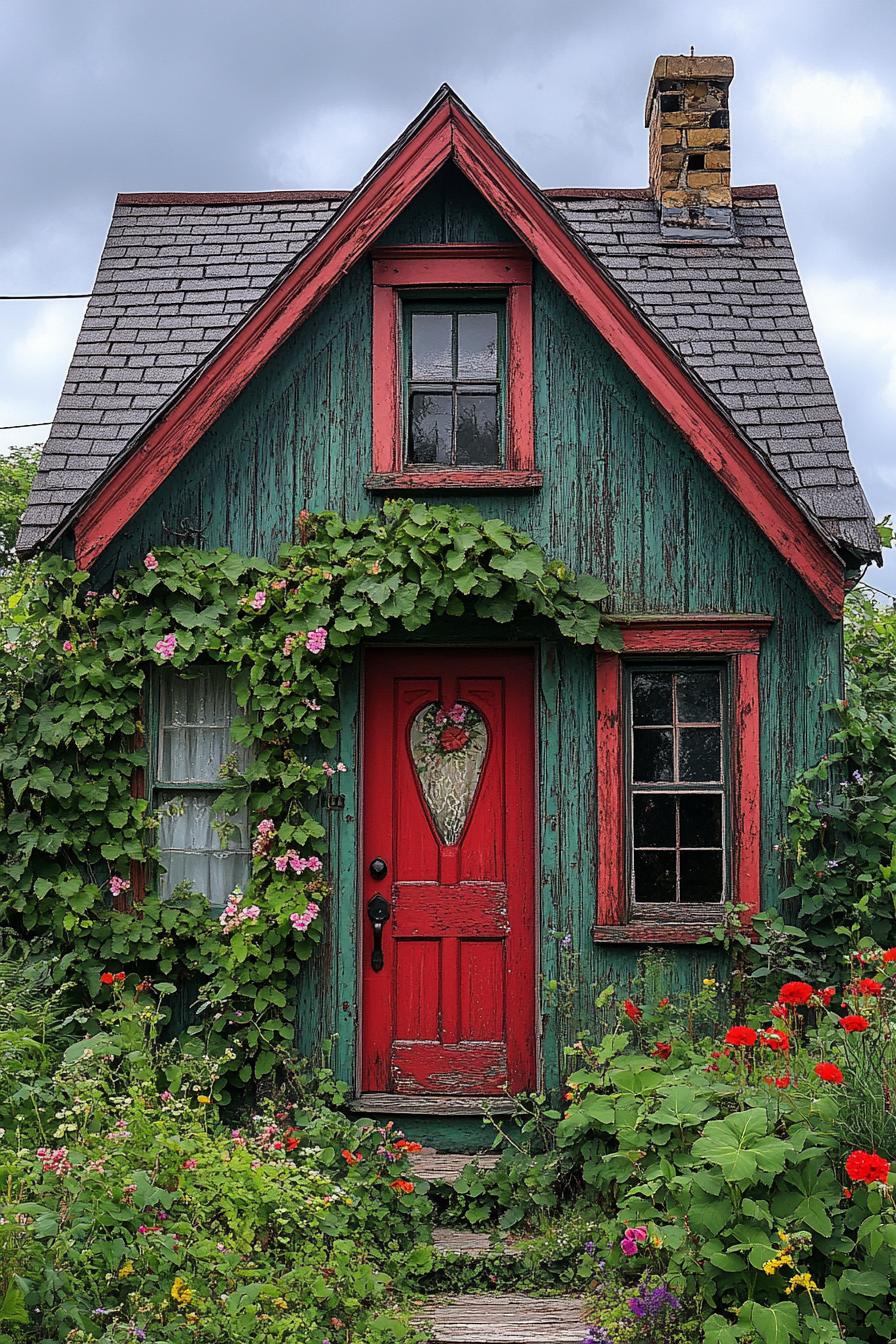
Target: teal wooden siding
x,y
624,497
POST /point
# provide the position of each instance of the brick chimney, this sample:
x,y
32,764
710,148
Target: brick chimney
x,y
690,146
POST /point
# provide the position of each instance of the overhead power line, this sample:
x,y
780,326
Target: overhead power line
x,y
32,424
24,298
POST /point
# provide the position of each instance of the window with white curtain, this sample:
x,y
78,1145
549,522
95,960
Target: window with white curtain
x,y
193,742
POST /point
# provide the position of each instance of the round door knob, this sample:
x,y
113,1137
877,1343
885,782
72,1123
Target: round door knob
x,y
378,869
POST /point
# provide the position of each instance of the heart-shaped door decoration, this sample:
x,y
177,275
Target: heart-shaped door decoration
x,y
448,750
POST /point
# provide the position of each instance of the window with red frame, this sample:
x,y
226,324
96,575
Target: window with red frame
x,y
453,368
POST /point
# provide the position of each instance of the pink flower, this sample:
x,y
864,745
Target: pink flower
x,y
628,1247
149,561
281,862
117,885
191,1164
311,704
301,922
259,600
166,646
279,584
166,1095
639,1233
316,640
288,643
265,826
328,770
67,646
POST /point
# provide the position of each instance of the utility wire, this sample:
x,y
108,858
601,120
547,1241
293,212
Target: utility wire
x,y
32,424
23,298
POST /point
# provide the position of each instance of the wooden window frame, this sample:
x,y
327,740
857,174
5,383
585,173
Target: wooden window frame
x,y
736,641
455,269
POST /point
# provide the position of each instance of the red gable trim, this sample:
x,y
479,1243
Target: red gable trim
x,y
449,132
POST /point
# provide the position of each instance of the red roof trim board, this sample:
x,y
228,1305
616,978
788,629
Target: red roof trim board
x,y
465,266
739,641
448,131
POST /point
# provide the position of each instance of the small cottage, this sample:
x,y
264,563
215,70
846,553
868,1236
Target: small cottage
x,y
630,377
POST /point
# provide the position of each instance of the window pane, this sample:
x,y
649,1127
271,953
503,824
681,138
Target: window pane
x,y
700,819
194,732
654,875
653,755
477,429
429,439
700,754
654,819
477,345
190,851
701,876
431,346
652,697
698,697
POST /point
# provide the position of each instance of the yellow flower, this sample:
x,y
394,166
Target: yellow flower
x,y
656,1241
280,1302
203,1100
126,1270
192,1317
778,1262
802,1281
709,984
182,1295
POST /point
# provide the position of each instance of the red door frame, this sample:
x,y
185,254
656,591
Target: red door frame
x,y
376,1010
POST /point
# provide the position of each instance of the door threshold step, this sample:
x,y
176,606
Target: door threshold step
x,y
462,1241
504,1318
432,1166
428,1103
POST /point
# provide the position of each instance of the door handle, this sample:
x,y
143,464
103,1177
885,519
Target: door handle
x,y
378,911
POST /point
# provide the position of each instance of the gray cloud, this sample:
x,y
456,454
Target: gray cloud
x,y
118,95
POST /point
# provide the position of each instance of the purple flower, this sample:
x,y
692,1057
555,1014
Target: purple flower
x,y
598,1334
588,1248
858,776
654,1302
566,942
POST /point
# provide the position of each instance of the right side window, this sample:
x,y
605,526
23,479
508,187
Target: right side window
x,y
677,785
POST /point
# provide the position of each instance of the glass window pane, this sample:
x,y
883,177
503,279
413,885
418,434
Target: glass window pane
x,y
429,438
701,876
699,698
431,346
653,755
654,875
477,345
194,732
652,697
477,429
654,819
701,757
190,850
701,819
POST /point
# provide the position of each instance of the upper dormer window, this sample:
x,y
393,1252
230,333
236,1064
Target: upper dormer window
x,y
453,380
454,383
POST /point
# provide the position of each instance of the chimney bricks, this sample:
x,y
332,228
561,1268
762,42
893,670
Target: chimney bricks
x,y
690,146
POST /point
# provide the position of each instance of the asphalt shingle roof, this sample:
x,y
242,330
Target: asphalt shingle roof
x,y
178,273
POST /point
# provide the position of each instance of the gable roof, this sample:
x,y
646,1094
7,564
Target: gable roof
x,y
183,276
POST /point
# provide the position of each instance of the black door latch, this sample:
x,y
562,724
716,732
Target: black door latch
x,y
378,911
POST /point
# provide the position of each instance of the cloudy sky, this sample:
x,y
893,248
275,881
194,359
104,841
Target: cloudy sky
x,y
102,96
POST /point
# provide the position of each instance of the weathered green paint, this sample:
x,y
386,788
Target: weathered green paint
x,y
623,497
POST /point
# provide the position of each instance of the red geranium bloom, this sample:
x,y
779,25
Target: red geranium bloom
x,y
795,991
664,1003
890,954
119,976
868,989
741,1036
352,1158
779,1010
854,1022
632,1011
403,1187
828,1073
827,994
775,1039
407,1146
662,1049
453,738
107,978
867,1167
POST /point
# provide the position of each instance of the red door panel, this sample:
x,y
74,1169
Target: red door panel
x,y
453,1008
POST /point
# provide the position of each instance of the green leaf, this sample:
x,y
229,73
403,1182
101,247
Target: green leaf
x,y
774,1325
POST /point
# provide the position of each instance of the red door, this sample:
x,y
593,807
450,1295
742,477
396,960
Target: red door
x,y
449,806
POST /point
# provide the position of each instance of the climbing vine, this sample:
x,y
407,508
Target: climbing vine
x,y
75,667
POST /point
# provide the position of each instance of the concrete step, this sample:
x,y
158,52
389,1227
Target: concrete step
x,y
431,1165
463,1241
504,1318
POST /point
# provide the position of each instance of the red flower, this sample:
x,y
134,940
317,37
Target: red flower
x,y
773,1038
795,991
453,738
783,1081
107,978
741,1036
890,954
664,1003
403,1187
352,1158
119,976
867,1167
779,1010
632,1011
867,989
826,995
407,1146
847,1193
828,1073
854,1022
662,1049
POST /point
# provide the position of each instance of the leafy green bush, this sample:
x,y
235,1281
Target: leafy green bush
x,y
133,1211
